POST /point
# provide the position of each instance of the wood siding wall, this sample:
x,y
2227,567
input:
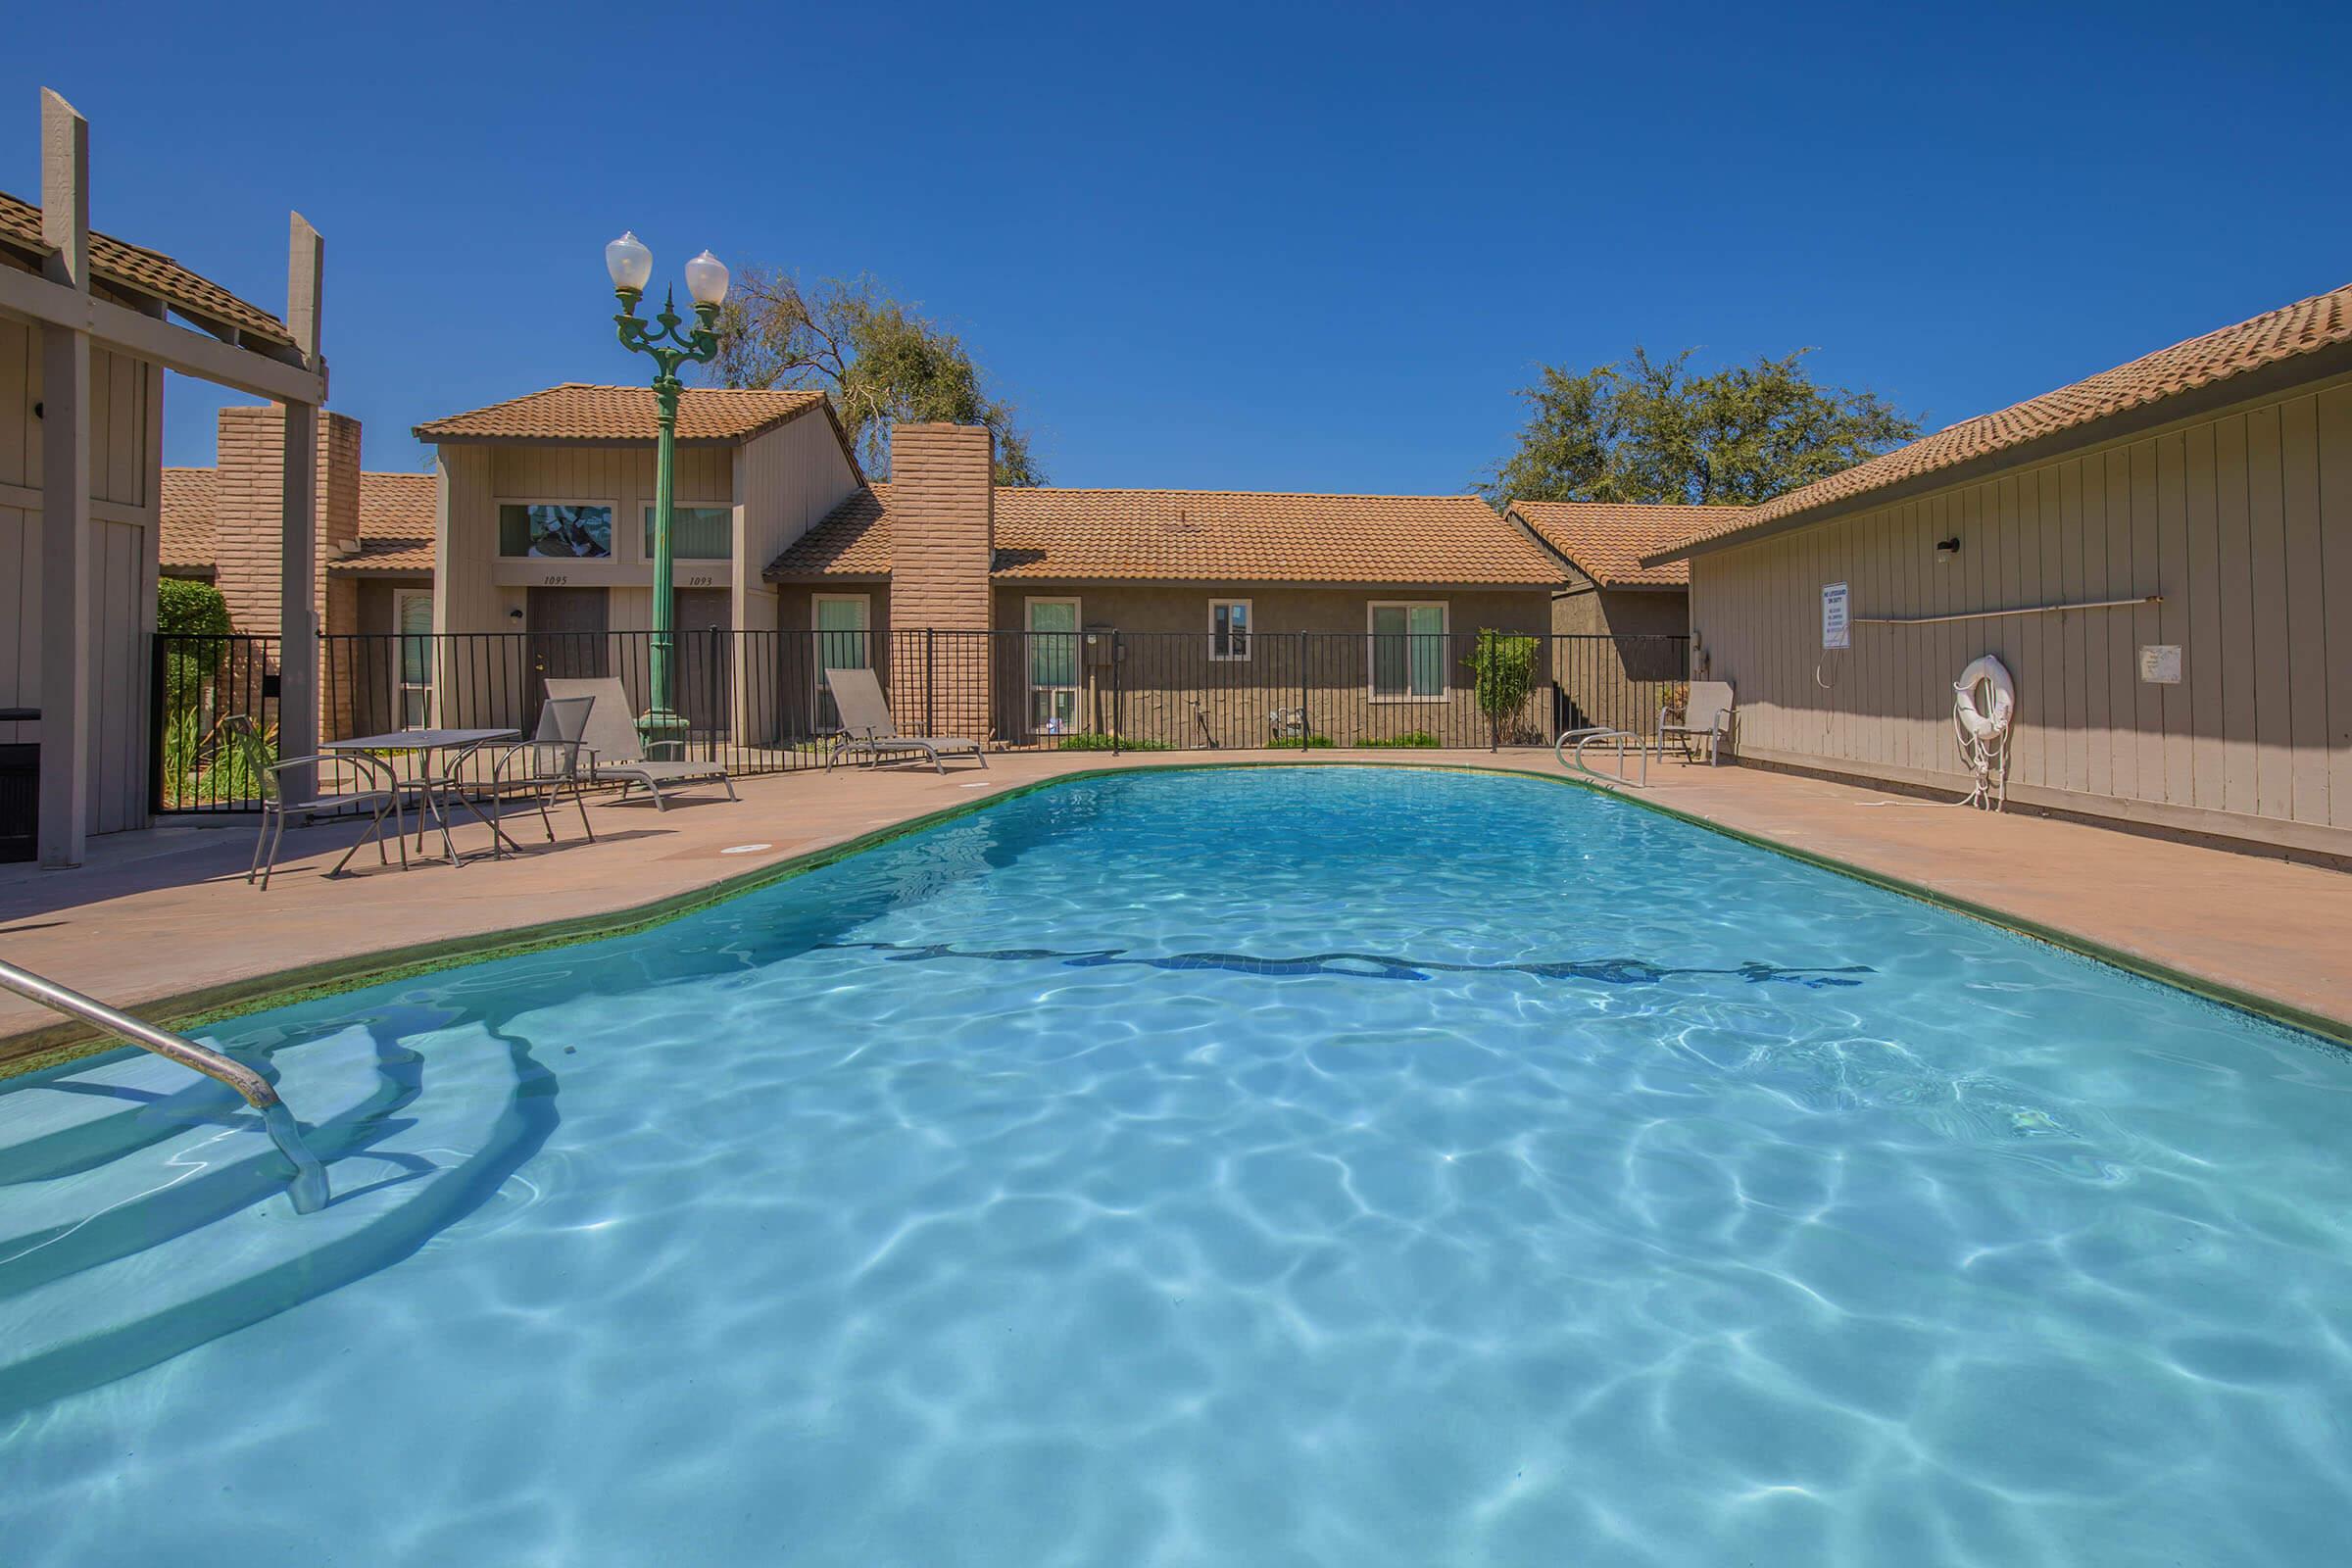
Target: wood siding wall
x,y
2242,521
126,398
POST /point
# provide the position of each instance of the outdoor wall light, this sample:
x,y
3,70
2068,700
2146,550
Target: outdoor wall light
x,y
1946,549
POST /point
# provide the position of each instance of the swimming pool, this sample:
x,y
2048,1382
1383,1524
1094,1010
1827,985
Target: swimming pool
x,y
1299,1165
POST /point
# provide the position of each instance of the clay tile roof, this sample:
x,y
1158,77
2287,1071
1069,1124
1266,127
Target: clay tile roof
x,y
1606,540
184,538
853,541
397,517
398,513
2303,327
1204,536
577,411
144,271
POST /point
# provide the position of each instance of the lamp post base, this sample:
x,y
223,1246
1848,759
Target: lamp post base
x,y
663,734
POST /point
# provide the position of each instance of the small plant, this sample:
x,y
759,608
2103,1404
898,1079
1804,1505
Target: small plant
x,y
1503,666
1299,743
1411,740
1110,743
1674,701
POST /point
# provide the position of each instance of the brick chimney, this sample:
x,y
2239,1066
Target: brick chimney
x,y
248,503
943,524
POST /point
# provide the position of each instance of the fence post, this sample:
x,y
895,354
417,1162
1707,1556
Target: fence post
x,y
1118,692
1304,728
930,680
712,680
1486,637
159,721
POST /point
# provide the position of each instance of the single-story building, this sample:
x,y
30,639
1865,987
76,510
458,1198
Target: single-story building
x,y
1236,610
87,328
2160,555
1620,628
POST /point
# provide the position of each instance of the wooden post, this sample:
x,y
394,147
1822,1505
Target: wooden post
x,y
67,613
298,649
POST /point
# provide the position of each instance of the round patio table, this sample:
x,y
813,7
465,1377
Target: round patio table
x,y
431,784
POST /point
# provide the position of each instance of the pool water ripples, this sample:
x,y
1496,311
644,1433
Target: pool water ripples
x,y
1325,1166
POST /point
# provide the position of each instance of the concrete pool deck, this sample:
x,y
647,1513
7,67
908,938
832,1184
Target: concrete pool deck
x,y
162,922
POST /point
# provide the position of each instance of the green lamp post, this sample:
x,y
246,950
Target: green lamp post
x,y
631,264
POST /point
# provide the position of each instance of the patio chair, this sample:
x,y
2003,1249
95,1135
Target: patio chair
x,y
616,753
241,738
551,762
1706,716
867,726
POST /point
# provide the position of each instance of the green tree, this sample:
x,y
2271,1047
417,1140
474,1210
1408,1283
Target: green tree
x,y
880,359
1655,430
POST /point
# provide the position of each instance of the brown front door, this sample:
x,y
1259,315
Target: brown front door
x,y
567,628
702,690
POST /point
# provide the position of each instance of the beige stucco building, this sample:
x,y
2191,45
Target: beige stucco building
x,y
2160,555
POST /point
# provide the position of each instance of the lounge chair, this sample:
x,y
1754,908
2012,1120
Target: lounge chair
x,y
615,752
1706,716
867,727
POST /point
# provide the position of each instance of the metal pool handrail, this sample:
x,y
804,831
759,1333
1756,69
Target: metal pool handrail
x,y
309,1191
1602,732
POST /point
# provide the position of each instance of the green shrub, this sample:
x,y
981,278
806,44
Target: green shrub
x,y
1294,743
1107,743
1410,740
1502,666
189,609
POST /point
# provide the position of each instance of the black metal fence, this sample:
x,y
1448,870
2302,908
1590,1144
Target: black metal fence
x,y
757,702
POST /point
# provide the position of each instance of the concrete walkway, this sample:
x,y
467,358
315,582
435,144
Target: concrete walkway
x,y
164,923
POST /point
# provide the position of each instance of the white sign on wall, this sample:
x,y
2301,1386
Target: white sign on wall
x,y
2160,664
1836,629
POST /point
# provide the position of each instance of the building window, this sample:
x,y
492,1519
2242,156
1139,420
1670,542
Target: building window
x,y
413,682
844,641
696,533
554,531
1053,660
1408,652
1229,629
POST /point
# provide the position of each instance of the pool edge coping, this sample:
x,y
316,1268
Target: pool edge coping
x,y
31,1050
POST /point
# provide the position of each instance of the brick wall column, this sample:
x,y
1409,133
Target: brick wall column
x,y
943,519
249,502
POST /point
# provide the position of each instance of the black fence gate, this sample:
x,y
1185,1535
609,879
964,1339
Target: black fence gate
x,y
196,681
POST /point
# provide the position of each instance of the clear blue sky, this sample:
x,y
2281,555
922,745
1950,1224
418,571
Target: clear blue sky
x,y
1270,247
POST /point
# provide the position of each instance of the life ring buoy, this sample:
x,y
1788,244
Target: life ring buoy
x,y
1984,725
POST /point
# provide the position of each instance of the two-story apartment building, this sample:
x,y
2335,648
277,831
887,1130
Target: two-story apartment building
x,y
1232,608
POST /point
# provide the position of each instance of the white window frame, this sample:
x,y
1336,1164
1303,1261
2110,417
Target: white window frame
x,y
1249,632
1029,604
1372,692
611,558
400,657
817,637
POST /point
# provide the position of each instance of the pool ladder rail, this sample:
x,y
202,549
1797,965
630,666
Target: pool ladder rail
x,y
309,1191
1603,732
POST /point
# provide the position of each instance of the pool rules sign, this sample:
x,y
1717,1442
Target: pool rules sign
x,y
1837,630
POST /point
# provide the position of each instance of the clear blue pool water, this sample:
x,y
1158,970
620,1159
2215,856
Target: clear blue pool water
x,y
1332,1166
